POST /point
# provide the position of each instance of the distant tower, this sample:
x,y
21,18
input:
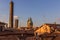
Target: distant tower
x,y
11,14
16,21
29,23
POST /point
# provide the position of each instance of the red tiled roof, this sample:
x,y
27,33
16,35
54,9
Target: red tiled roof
x,y
52,25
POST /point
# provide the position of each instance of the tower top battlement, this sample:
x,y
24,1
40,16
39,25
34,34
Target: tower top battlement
x,y
11,1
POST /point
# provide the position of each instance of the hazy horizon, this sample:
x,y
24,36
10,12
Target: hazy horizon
x,y
41,11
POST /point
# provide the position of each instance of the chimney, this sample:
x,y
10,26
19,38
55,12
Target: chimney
x,y
11,14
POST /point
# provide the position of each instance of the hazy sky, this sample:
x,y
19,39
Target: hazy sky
x,y
41,11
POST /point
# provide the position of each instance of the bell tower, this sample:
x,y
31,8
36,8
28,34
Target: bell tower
x,y
29,23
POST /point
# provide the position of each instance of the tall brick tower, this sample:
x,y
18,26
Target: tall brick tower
x,y
11,14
